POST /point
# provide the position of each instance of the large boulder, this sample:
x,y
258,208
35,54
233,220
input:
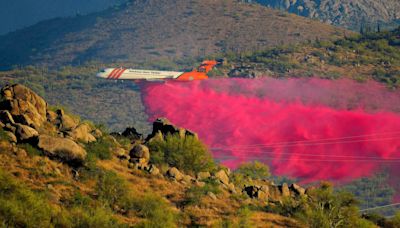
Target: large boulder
x,y
25,106
82,133
24,132
203,175
174,173
163,126
140,154
62,148
222,177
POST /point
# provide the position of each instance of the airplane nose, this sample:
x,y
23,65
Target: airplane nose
x,y
100,75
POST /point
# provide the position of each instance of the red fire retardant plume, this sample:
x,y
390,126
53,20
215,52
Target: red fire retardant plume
x,y
311,129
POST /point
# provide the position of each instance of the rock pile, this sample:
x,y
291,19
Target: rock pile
x,y
27,119
270,192
162,127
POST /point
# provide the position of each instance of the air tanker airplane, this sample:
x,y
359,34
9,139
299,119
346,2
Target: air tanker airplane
x,y
199,73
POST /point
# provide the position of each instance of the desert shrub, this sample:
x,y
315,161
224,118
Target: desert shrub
x,y
243,216
186,153
112,190
155,210
93,217
195,193
288,206
248,171
327,208
101,148
254,170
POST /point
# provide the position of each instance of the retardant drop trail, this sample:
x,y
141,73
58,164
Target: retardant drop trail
x,y
312,129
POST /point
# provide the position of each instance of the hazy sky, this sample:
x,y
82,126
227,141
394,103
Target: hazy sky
x,y
16,14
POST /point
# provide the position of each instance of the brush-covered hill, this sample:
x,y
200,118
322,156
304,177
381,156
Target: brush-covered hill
x,y
158,29
59,171
363,57
353,14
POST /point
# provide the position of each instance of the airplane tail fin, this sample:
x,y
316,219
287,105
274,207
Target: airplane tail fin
x,y
208,65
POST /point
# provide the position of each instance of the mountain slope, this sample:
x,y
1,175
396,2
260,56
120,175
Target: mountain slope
x,y
21,13
350,14
158,29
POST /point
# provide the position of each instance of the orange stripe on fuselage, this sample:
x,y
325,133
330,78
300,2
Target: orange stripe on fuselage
x,y
116,73
120,73
112,73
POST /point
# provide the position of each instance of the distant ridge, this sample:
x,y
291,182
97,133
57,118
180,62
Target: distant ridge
x,y
352,14
158,29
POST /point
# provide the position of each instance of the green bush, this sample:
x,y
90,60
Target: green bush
x,y
187,153
93,217
155,210
21,207
248,171
101,148
112,190
327,208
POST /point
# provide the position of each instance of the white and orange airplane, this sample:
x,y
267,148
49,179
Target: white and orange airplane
x,y
199,73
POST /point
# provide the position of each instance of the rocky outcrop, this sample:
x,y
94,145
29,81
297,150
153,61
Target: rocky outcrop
x,y
163,126
350,14
270,192
62,148
25,106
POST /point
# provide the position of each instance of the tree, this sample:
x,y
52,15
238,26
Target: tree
x,y
327,208
254,170
187,153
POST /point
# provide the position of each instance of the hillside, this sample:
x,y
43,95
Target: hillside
x,y
352,14
156,30
57,170
22,13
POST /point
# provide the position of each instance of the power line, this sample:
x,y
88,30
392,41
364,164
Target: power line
x,y
308,159
311,141
388,205
308,144
274,153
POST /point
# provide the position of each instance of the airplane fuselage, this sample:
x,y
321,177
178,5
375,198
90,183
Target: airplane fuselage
x,y
199,73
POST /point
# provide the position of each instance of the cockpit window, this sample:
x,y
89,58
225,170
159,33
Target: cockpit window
x,y
103,70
